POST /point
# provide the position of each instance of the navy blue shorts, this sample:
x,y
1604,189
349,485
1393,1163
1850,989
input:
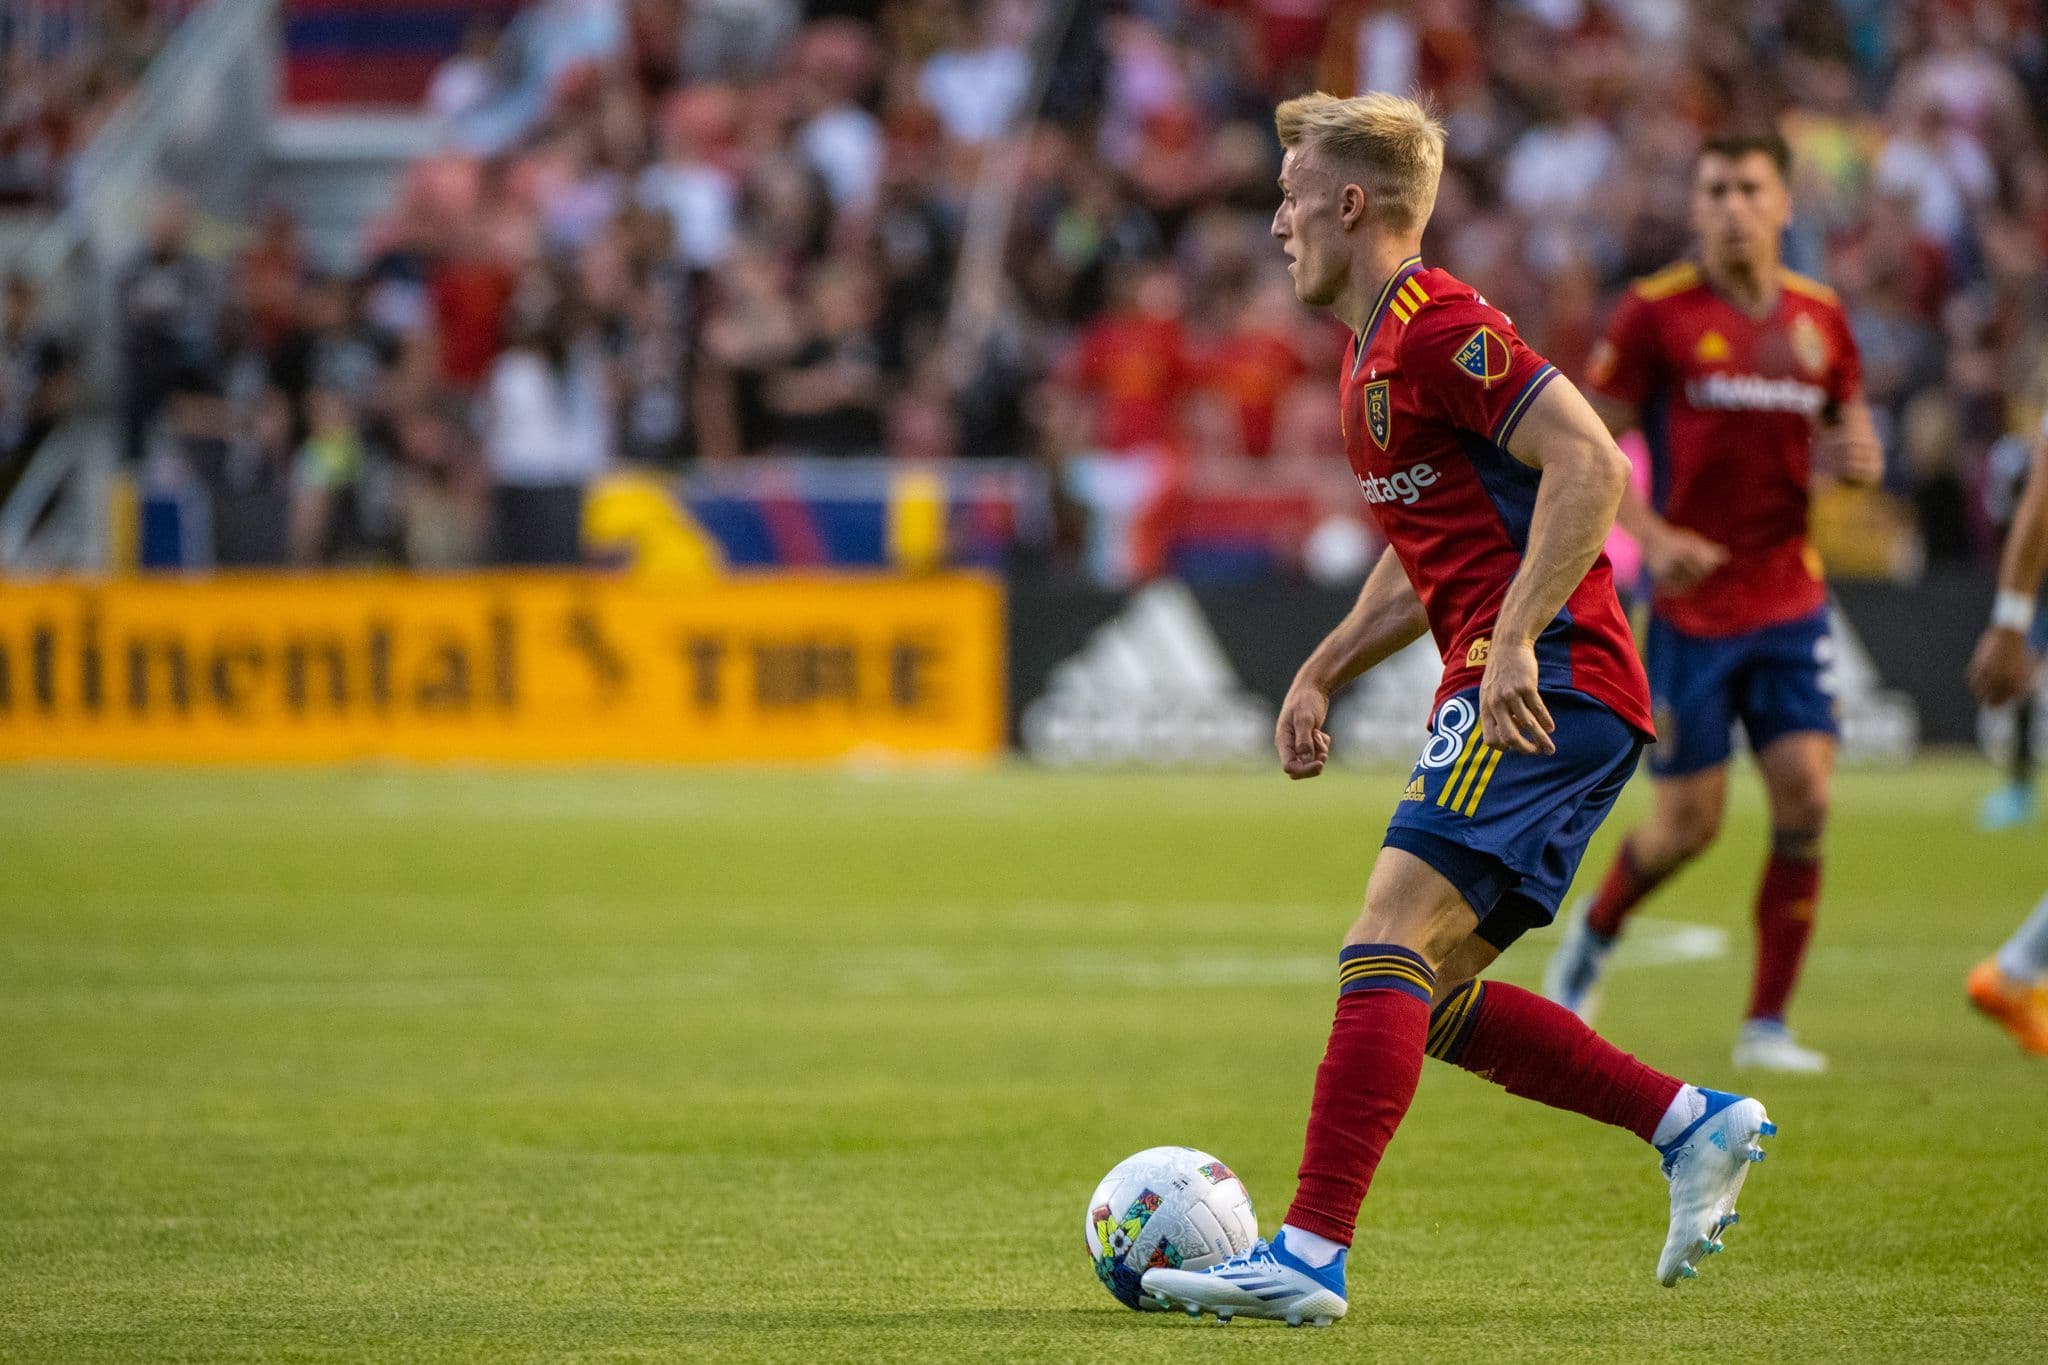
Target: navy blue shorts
x,y
1775,681
1508,830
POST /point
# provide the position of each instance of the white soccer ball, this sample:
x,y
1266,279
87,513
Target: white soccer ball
x,y
1166,1206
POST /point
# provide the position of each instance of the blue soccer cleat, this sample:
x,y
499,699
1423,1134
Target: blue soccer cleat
x,y
1573,977
1706,1165
1266,1282
2010,807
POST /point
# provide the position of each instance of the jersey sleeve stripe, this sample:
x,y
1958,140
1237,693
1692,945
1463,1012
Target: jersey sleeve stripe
x,y
1513,416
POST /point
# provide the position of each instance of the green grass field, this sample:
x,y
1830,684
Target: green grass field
x,y
452,1065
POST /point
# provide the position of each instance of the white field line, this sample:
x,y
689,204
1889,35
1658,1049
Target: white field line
x,y
901,971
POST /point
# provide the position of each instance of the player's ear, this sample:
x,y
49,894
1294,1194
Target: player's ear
x,y
1351,205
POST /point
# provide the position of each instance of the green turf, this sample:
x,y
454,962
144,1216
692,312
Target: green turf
x,y
370,1065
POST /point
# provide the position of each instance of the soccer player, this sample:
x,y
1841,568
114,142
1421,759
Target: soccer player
x,y
1495,485
2011,986
1745,381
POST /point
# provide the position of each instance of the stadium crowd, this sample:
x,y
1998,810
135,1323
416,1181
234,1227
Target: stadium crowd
x,y
64,68
663,234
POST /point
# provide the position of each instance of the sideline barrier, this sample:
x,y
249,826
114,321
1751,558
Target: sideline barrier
x,y
518,667
1178,675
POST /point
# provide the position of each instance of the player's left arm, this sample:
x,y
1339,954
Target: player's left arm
x,y
2003,667
1847,447
1583,477
1845,438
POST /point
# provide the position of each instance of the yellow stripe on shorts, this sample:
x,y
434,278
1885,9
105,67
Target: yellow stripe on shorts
x,y
1479,788
1443,798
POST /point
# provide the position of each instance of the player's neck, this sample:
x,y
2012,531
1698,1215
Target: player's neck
x,y
1369,276
1752,288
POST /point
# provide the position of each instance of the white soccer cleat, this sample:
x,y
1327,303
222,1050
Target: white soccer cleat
x,y
1706,1165
1266,1282
1765,1045
1573,977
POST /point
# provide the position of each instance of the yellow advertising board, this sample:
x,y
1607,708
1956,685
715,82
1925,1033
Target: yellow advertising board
x,y
520,667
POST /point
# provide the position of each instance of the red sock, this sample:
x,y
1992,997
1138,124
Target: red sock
x,y
1784,922
1542,1051
1626,884
1365,1084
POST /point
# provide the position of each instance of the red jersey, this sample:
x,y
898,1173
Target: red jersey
x,y
1138,366
1432,391
1728,407
1254,370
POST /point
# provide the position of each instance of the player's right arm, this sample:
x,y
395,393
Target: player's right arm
x,y
2003,667
1620,376
1386,618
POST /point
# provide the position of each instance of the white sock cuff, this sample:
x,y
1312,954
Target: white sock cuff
x,y
1313,1248
1687,1105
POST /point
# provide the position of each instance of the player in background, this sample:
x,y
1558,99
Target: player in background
x,y
1495,485
1745,382
2013,804
2011,986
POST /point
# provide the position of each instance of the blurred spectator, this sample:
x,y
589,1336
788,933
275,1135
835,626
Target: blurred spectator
x,y
1255,365
470,291
36,378
976,85
440,492
271,271
330,478
826,399
1129,368
166,303
464,81
64,69
699,195
1125,377
1942,169
752,330
836,66
547,433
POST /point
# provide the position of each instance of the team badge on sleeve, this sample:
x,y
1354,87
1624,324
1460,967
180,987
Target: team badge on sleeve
x,y
1809,345
1379,412
1485,357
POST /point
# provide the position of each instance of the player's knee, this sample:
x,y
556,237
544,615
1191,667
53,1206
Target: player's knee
x,y
1432,929
1410,903
1688,831
1801,803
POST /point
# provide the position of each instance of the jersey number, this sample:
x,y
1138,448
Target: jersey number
x,y
1447,737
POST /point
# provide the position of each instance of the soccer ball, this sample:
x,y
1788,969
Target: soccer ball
x,y
1166,1206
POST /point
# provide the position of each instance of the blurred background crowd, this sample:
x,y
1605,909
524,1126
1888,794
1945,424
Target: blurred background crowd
x,y
673,236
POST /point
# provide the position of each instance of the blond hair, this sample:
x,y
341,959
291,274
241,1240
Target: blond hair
x,y
1393,147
